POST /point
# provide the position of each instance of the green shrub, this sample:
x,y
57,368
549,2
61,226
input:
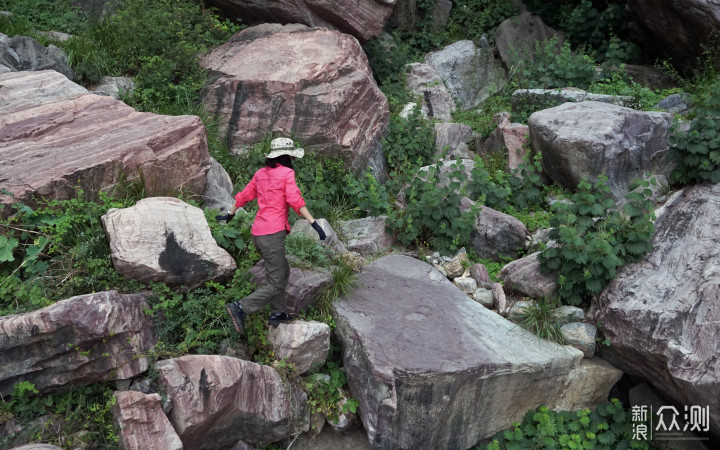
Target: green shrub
x,y
308,250
617,83
553,66
409,142
324,395
432,215
607,427
46,15
697,151
478,17
371,196
539,317
594,239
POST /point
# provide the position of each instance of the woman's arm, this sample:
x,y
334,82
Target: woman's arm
x,y
306,214
316,226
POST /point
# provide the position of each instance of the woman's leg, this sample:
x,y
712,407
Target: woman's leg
x,y
277,274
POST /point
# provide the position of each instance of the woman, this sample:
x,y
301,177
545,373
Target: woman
x,y
275,189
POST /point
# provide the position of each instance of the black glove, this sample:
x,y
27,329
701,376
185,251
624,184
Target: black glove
x,y
319,230
226,217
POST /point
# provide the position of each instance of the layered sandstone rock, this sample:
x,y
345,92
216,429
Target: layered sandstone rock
x,y
588,139
302,343
50,144
661,314
363,19
303,288
75,342
219,400
312,84
142,422
431,368
167,240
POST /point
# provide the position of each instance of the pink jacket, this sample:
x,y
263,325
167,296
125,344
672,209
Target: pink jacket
x,y
275,190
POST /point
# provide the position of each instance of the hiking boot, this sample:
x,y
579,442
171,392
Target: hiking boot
x,y
237,314
278,318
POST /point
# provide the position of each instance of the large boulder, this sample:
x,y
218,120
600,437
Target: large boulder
x,y
218,192
558,96
312,84
452,139
165,239
496,235
142,422
588,139
20,90
366,236
471,74
22,53
661,314
302,343
50,145
679,30
75,342
517,36
363,19
219,400
431,368
524,276
303,288
424,82
510,138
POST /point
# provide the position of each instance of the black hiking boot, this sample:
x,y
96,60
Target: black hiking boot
x,y
237,314
278,318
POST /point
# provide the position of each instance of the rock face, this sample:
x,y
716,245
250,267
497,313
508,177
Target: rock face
x,y
470,74
424,82
219,400
431,368
142,422
520,34
79,341
363,19
305,344
20,90
588,139
331,241
218,192
303,287
679,30
22,53
453,139
523,275
496,234
661,314
312,84
165,239
508,137
366,236
94,142
562,95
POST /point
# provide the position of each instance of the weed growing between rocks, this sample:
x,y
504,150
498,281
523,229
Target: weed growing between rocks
x,y
540,318
607,427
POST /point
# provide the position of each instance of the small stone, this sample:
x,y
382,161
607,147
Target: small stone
x,y
566,314
484,297
581,336
466,284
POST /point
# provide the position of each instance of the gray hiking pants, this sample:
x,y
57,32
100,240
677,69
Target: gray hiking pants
x,y
277,274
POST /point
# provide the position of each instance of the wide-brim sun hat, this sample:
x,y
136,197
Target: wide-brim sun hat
x,y
284,146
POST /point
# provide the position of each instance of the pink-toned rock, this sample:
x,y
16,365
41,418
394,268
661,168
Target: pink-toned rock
x,y
77,341
142,422
304,344
363,19
512,137
524,275
312,84
20,90
93,142
495,234
167,240
304,286
479,273
219,400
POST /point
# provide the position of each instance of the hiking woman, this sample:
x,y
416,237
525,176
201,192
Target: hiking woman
x,y
275,189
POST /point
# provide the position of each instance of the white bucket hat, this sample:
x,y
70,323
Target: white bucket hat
x,y
284,146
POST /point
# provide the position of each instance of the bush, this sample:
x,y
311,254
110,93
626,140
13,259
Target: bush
x,y
697,151
594,239
370,196
607,427
409,142
553,66
46,15
478,17
432,216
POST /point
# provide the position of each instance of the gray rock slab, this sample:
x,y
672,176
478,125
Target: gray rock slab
x,y
366,236
431,368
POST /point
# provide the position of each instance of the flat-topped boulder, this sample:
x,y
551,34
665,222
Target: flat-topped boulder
x,y
19,90
166,240
310,83
50,147
75,342
662,313
432,368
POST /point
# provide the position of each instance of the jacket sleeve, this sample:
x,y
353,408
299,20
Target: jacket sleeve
x,y
247,194
292,193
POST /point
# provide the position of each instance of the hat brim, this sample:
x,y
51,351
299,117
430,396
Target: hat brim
x,y
295,152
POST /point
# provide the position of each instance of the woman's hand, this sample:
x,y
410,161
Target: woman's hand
x,y
319,230
226,217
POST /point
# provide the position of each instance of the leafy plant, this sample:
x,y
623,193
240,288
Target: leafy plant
x,y
594,239
607,427
697,151
46,15
308,250
477,17
409,142
552,65
371,196
325,393
433,213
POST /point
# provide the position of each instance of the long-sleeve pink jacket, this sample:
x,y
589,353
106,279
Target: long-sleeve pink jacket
x,y
275,190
